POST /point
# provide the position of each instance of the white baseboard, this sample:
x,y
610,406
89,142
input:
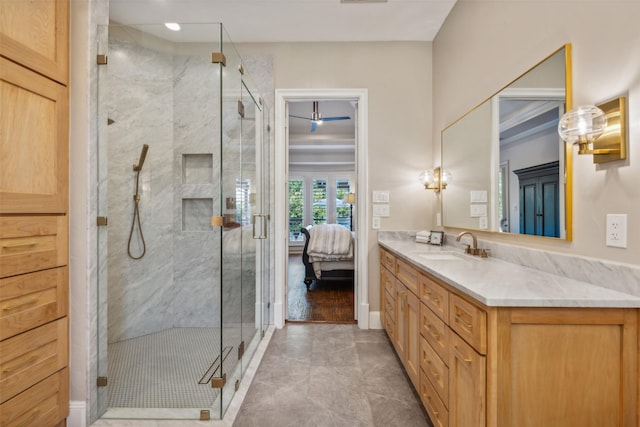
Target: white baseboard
x,y
375,320
77,414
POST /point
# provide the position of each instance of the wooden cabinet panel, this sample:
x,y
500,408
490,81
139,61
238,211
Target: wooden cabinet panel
x,y
45,404
31,357
31,300
35,34
435,296
34,142
407,274
388,260
435,369
32,243
412,360
435,331
400,309
467,382
569,367
469,321
436,409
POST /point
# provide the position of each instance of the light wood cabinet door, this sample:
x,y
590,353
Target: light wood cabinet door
x,y
34,142
412,358
467,385
400,333
35,34
562,367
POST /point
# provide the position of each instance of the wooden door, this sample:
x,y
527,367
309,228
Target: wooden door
x,y
467,385
412,357
539,200
33,142
562,367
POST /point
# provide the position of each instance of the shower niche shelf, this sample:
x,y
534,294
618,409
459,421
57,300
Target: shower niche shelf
x,y
196,214
197,168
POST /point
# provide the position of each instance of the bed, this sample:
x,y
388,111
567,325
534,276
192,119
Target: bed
x,y
328,253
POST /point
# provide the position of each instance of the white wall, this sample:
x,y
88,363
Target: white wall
x,y
483,45
398,79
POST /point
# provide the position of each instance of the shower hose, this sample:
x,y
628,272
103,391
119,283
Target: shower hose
x,y
136,218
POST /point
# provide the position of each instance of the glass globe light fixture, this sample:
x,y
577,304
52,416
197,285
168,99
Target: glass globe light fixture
x,y
582,125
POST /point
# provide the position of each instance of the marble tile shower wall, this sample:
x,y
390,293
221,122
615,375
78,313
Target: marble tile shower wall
x,y
170,103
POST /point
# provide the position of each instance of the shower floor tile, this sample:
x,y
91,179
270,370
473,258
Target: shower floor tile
x,y
163,370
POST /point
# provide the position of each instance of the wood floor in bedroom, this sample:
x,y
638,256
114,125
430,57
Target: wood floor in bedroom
x,y
325,302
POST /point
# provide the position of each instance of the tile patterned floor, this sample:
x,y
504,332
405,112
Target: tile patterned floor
x,y
330,375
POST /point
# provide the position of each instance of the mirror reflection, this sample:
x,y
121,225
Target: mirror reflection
x,y
507,159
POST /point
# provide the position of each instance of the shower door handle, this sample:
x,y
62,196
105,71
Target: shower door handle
x,y
263,220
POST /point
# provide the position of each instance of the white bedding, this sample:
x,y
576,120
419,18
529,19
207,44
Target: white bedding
x,y
330,248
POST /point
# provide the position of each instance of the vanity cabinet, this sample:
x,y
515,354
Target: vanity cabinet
x,y
403,331
34,158
522,366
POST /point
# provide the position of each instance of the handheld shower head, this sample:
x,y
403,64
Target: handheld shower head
x,y
143,155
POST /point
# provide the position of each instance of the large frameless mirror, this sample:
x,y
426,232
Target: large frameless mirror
x,y
510,170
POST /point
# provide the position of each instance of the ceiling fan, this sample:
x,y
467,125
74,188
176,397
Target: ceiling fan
x,y
316,118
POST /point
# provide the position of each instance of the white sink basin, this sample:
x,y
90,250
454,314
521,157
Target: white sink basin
x,y
443,256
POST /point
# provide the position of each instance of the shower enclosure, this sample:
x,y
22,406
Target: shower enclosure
x,y
183,200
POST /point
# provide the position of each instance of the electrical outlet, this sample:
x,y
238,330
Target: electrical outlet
x,y
375,223
617,230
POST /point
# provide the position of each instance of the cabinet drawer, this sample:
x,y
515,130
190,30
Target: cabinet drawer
x,y
434,330
389,326
388,281
435,408
435,369
388,260
45,404
470,322
407,275
389,305
435,296
31,300
32,356
32,243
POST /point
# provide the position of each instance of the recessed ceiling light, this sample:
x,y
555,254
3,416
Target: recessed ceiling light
x,y
173,26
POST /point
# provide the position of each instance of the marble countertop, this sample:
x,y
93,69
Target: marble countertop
x,y
498,283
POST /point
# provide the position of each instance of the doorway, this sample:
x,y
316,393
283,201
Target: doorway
x,y
321,190
357,99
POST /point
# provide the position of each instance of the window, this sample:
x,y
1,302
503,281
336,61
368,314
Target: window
x,y
243,201
344,211
319,201
296,209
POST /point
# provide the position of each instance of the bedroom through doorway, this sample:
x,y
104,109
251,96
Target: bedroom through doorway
x,y
321,190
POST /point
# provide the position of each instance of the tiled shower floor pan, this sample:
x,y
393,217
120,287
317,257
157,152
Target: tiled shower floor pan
x,y
169,369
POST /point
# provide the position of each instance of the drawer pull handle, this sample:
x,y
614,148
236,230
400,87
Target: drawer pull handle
x,y
455,347
18,245
21,305
29,361
460,320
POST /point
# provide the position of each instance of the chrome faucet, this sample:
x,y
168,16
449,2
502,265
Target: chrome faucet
x,y
473,249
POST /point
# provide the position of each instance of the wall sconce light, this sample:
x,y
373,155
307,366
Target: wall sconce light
x,y
435,179
598,130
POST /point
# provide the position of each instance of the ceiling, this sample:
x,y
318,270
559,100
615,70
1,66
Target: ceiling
x,y
331,147
296,20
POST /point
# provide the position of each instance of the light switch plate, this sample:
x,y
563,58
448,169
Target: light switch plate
x,y
380,197
381,210
478,210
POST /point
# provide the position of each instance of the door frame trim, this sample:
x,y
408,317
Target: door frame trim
x,y
281,166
